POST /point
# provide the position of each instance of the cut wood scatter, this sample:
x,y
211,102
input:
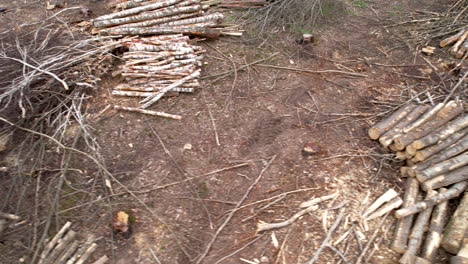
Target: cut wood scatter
x,y
433,141
160,60
459,41
66,248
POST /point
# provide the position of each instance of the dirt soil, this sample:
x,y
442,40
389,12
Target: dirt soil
x,y
254,123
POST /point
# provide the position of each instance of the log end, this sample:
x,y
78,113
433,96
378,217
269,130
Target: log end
x,y
411,149
374,133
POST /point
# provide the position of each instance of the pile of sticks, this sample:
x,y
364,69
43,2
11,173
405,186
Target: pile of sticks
x,y
459,41
156,17
158,65
434,141
65,248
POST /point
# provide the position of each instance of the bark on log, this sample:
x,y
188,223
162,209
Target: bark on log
x,y
68,252
455,143
392,204
153,89
45,253
137,10
451,39
436,228
403,225
81,250
148,112
387,196
385,125
87,254
450,178
101,260
459,42
443,133
462,256
452,192
152,99
201,32
463,49
212,17
9,216
156,21
428,115
447,113
318,200
442,167
388,137
456,228
420,226
165,12
61,247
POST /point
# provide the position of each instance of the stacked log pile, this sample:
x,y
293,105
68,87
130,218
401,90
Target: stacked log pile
x,y
459,41
157,17
66,248
433,140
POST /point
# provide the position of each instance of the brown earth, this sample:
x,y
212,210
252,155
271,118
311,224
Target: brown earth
x,y
257,113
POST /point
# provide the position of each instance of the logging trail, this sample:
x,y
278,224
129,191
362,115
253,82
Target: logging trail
x,y
246,113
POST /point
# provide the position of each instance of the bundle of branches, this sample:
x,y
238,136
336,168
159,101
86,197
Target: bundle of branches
x,y
426,26
434,142
46,83
188,17
158,65
66,248
291,15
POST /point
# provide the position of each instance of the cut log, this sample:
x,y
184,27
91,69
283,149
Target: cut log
x,y
138,10
458,175
451,39
436,228
459,42
428,115
385,125
9,216
456,228
388,137
447,113
201,32
448,144
45,253
211,17
403,155
61,246
165,12
443,133
68,252
462,256
156,21
387,196
392,204
148,112
452,192
416,236
101,260
404,171
462,50
153,89
403,226
442,167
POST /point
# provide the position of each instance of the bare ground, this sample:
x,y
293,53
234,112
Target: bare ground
x,y
257,113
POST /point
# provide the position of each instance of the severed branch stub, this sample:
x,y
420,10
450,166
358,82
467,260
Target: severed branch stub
x,y
383,126
387,196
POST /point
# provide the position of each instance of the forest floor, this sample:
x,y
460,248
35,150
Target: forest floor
x,y
253,122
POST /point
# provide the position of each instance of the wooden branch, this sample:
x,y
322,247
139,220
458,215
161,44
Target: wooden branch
x,y
87,254
436,228
68,252
189,21
452,192
156,21
9,216
164,12
388,137
61,246
434,149
403,225
443,133
451,39
459,42
387,196
152,89
392,204
447,113
45,253
458,175
148,112
442,167
318,200
101,260
152,99
263,226
137,10
385,125
462,256
456,228
420,226
424,118
327,237
201,32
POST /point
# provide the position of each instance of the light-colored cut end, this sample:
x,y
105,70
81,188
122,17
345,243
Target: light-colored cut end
x,y
374,133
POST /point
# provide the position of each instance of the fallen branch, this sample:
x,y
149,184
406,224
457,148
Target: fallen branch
x,y
148,112
455,231
387,196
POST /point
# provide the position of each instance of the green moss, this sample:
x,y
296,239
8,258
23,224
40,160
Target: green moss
x,y
203,189
360,3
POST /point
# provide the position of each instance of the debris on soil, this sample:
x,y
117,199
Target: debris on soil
x,y
239,4
121,224
434,142
311,148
